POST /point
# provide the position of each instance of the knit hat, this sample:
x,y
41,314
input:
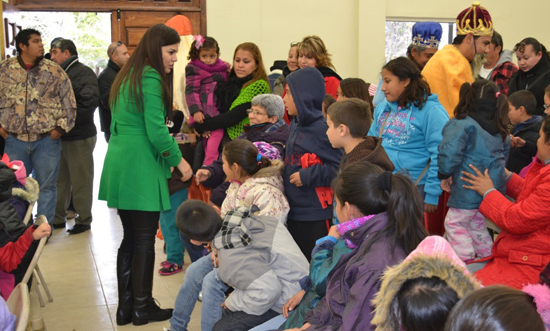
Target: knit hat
x,y
475,20
267,150
426,34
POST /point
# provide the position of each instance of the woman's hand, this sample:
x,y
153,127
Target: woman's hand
x,y
446,184
42,231
430,209
481,183
185,170
206,134
293,302
295,179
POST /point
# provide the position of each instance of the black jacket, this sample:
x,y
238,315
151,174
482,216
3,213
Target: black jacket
x,y
106,79
535,80
520,157
11,226
86,92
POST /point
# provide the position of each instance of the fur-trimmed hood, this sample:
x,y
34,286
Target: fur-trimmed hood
x,y
434,257
31,191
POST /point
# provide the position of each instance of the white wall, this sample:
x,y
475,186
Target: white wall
x,y
354,30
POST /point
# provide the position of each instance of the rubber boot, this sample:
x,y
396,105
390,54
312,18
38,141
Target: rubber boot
x,y
125,296
145,308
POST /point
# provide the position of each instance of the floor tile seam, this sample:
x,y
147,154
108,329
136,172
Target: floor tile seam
x,y
101,285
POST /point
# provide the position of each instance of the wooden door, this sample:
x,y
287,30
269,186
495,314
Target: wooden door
x,y
130,18
11,28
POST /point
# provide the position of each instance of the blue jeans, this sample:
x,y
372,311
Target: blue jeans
x,y
200,275
195,252
272,324
41,158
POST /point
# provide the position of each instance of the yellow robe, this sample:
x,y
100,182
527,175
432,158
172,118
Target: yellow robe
x,y
446,71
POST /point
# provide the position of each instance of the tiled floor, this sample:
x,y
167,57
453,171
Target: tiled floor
x,y
80,271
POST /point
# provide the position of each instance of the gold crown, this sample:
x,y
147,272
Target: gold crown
x,y
475,20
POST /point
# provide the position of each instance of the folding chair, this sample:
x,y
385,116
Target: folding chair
x,y
36,320
19,305
38,274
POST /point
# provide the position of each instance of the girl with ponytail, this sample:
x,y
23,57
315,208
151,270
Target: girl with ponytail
x,y
383,213
255,172
477,136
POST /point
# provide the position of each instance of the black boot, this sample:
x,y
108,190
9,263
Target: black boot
x,y
145,308
125,296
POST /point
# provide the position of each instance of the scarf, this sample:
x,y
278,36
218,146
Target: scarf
x,y
229,91
352,225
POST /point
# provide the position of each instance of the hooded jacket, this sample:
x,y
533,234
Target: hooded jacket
x,y
410,138
86,92
535,80
201,82
503,71
308,135
264,190
11,225
434,257
260,260
520,157
369,150
472,141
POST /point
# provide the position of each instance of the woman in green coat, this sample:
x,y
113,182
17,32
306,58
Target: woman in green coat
x,y
139,160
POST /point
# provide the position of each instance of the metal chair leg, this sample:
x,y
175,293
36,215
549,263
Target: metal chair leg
x,y
44,285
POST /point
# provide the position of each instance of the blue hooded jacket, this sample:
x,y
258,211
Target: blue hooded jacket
x,y
410,138
308,135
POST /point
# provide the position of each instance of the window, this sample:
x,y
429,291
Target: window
x,y
399,36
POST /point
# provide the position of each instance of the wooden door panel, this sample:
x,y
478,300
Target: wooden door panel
x,y
11,27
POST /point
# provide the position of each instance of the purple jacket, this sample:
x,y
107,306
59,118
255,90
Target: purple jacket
x,y
201,81
355,279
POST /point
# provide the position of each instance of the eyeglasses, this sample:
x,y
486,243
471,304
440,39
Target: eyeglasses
x,y
255,112
119,43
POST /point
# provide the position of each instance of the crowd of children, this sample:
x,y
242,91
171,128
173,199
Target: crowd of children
x,y
317,215
347,190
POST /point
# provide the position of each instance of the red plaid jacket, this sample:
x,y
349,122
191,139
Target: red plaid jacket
x,y
502,74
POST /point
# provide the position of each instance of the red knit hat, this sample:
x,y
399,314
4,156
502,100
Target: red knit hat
x,y
475,20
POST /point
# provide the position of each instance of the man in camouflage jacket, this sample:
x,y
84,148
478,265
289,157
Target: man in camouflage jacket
x,y
37,107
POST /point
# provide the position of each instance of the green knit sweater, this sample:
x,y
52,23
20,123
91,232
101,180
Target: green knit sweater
x,y
258,87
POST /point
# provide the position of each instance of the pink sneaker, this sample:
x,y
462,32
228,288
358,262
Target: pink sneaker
x,y
165,263
170,269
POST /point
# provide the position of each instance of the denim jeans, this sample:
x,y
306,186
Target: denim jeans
x,y
273,324
195,251
174,246
41,158
200,275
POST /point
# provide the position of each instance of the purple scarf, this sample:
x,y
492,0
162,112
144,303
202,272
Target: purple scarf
x,y
219,66
352,225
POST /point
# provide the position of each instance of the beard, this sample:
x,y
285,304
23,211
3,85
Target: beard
x,y
477,64
38,59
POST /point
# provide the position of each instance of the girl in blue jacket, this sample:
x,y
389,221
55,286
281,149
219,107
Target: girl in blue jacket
x,y
410,122
477,136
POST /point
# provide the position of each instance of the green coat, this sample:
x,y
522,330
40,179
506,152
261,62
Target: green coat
x,y
141,151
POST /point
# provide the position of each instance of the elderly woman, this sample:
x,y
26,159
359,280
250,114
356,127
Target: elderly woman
x,y
266,124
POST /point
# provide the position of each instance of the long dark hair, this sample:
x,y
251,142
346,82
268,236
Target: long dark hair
x,y
373,190
418,90
244,153
495,308
487,90
147,52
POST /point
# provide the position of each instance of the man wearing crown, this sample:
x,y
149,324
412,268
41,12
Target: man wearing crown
x,y
452,66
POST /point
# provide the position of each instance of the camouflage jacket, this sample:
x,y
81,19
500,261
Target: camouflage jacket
x,y
36,101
